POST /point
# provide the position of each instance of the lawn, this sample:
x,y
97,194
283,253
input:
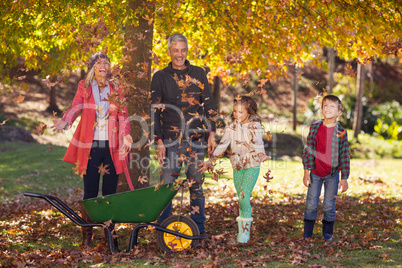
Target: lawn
x,y
368,230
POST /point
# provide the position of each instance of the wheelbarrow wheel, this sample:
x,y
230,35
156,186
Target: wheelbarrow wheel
x,y
181,224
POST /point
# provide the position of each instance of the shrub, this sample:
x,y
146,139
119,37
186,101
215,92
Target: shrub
x,y
389,120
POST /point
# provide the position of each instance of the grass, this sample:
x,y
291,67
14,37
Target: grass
x,y
368,232
33,167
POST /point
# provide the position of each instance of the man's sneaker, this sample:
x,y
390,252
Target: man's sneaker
x,y
328,237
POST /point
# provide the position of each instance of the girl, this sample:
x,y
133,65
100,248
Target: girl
x,y
244,135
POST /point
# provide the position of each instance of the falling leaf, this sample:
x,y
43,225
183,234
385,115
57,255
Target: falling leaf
x,y
40,129
151,228
269,135
341,134
159,185
103,169
143,179
76,167
4,122
50,147
175,129
195,209
262,82
159,106
177,174
242,193
173,246
268,176
350,70
318,96
108,223
147,18
155,58
19,99
190,183
140,36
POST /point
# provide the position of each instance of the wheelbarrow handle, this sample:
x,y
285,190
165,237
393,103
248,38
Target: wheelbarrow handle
x,y
63,208
32,194
69,213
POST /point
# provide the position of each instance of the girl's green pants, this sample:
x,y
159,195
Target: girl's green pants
x,y
244,181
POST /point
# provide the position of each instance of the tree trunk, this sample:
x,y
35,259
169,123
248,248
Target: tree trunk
x,y
357,123
137,78
53,108
331,68
295,88
217,91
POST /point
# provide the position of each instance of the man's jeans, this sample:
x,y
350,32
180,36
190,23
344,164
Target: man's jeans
x,y
313,196
191,154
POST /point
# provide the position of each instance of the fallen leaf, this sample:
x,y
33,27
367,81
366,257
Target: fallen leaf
x,y
19,99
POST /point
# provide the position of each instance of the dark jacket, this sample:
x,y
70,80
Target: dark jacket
x,y
182,103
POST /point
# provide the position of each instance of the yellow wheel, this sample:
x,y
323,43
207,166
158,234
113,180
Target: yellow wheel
x,y
181,224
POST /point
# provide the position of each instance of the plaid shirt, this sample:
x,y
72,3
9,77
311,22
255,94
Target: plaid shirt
x,y
340,150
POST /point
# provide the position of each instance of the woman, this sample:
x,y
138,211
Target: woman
x,y
102,140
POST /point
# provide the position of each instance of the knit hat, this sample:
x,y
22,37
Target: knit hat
x,y
95,57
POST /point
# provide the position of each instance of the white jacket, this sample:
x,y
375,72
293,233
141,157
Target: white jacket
x,y
246,143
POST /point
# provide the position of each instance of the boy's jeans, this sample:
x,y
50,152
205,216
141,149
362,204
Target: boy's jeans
x,y
313,195
194,152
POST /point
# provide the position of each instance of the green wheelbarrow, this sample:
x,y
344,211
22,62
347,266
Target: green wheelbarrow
x,y
142,206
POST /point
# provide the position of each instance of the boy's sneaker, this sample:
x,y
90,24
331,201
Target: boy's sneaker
x,y
328,237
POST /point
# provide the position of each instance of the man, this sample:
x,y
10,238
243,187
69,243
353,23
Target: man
x,y
183,113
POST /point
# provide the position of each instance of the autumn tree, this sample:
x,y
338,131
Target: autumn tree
x,y
231,37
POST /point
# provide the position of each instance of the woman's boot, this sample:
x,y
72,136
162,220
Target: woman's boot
x,y
86,231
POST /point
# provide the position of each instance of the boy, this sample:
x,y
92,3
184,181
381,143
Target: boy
x,y
326,154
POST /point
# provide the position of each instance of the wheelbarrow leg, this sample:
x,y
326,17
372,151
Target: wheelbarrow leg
x,y
134,235
114,238
109,236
